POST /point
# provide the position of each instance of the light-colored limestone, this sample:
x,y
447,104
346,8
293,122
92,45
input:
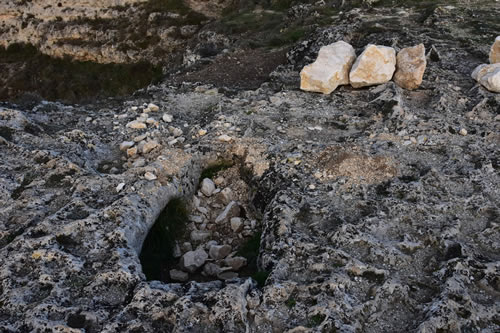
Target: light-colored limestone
x,y
410,67
375,65
330,69
219,251
207,187
150,145
135,124
192,260
488,76
495,51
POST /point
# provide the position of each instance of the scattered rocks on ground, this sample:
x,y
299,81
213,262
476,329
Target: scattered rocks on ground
x,y
410,64
330,69
375,65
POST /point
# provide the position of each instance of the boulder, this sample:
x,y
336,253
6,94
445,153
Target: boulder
x,y
218,252
375,65
207,187
330,69
488,76
410,64
495,51
193,260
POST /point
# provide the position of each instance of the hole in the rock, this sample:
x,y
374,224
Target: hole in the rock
x,y
216,236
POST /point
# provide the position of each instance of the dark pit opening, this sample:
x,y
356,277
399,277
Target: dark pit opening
x,y
157,251
214,236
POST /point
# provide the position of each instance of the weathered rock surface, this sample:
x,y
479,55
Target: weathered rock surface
x,y
330,69
375,65
377,214
495,51
410,67
488,76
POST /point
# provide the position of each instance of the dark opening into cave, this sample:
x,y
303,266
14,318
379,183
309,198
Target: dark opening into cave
x,y
157,250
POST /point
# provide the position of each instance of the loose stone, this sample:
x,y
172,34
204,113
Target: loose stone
x,y
235,262
131,152
488,76
135,124
168,118
218,252
150,176
148,146
375,65
178,275
126,145
192,260
236,224
330,69
153,107
200,235
495,51
231,210
410,63
120,187
202,132
224,138
207,187
227,275
211,269
140,138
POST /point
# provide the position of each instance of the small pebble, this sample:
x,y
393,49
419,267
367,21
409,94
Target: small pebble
x,y
120,187
463,131
224,138
153,107
150,176
168,118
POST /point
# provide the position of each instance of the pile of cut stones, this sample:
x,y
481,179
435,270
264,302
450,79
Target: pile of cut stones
x,y
219,224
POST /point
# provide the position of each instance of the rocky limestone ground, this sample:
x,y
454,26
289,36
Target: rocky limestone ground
x,y
378,207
